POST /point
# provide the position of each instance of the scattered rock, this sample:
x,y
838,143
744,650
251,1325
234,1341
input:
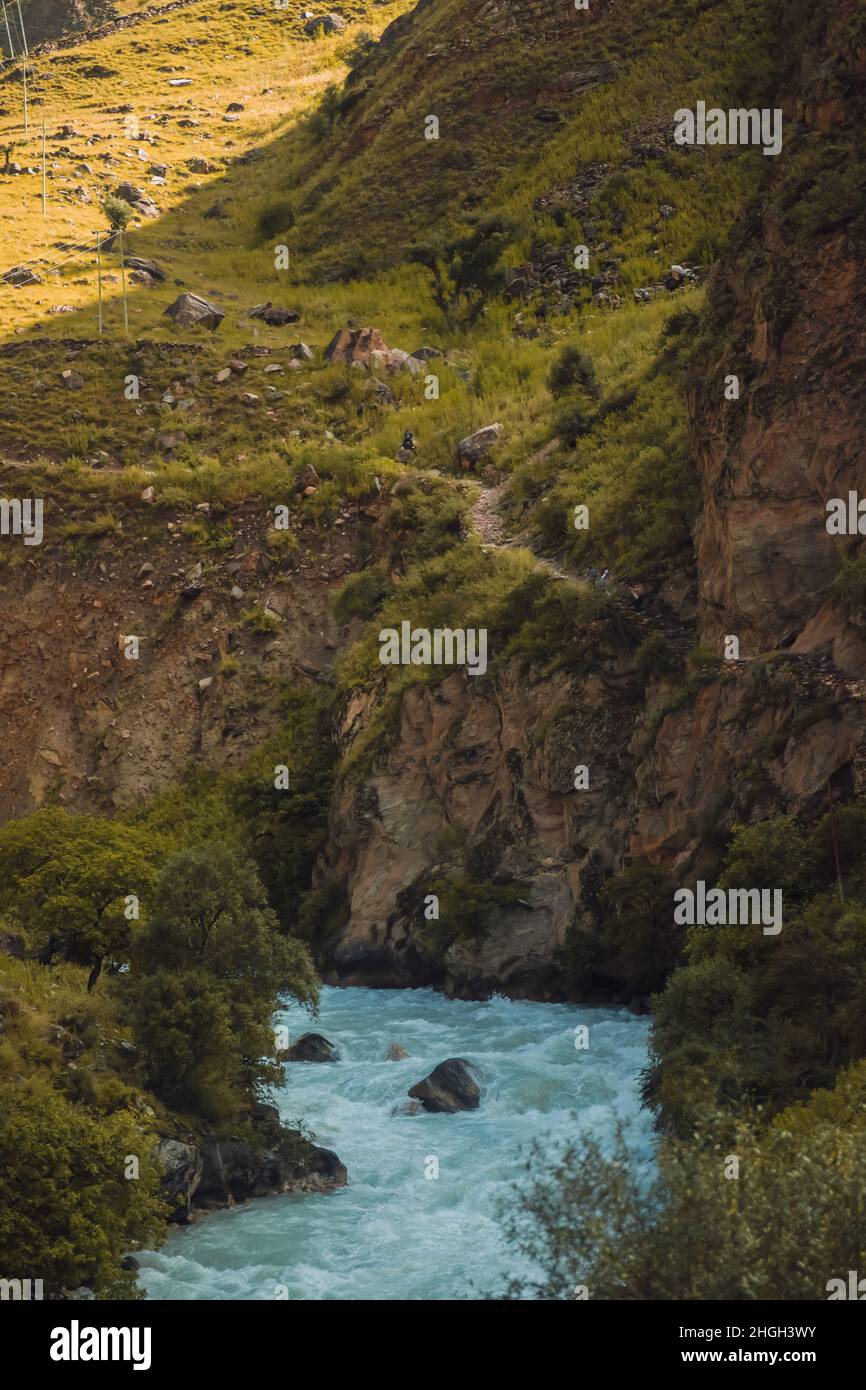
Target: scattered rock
x,y
73,381
300,350
308,477
382,391
147,494
327,23
22,275
137,199
201,166
190,309
355,345
396,1053
147,267
71,1047
426,354
273,314
449,1087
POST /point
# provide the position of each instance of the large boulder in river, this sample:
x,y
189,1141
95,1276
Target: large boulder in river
x,y
312,1047
396,1053
449,1087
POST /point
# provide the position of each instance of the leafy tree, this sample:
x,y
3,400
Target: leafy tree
x,y
327,113
205,979
465,270
286,826
573,368
64,878
792,1219
118,212
68,1212
639,928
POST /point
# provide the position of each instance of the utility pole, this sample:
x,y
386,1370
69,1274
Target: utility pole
x,y
123,286
24,62
8,34
99,275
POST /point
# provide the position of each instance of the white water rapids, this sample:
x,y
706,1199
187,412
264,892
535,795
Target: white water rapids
x,y
394,1233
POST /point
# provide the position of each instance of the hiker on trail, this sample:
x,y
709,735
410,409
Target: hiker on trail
x,y
603,578
592,575
409,442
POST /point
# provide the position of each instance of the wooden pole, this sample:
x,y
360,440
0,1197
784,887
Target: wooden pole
x,y
8,33
123,286
99,275
24,62
21,25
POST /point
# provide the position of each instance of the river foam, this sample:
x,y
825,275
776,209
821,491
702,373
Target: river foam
x,y
394,1233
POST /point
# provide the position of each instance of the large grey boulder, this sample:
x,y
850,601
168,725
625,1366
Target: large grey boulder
x,y
449,1087
181,1165
189,310
476,445
326,23
312,1047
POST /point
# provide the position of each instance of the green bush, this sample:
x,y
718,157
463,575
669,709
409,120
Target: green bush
x,y
68,1210
732,1214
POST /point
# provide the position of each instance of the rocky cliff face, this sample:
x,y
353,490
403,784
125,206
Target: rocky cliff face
x,y
480,774
481,779
786,314
98,730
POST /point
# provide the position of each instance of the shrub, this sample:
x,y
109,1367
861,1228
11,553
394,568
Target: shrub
x,y
274,218
597,1225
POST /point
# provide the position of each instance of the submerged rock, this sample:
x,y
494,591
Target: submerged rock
x,y
407,1107
449,1087
396,1053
